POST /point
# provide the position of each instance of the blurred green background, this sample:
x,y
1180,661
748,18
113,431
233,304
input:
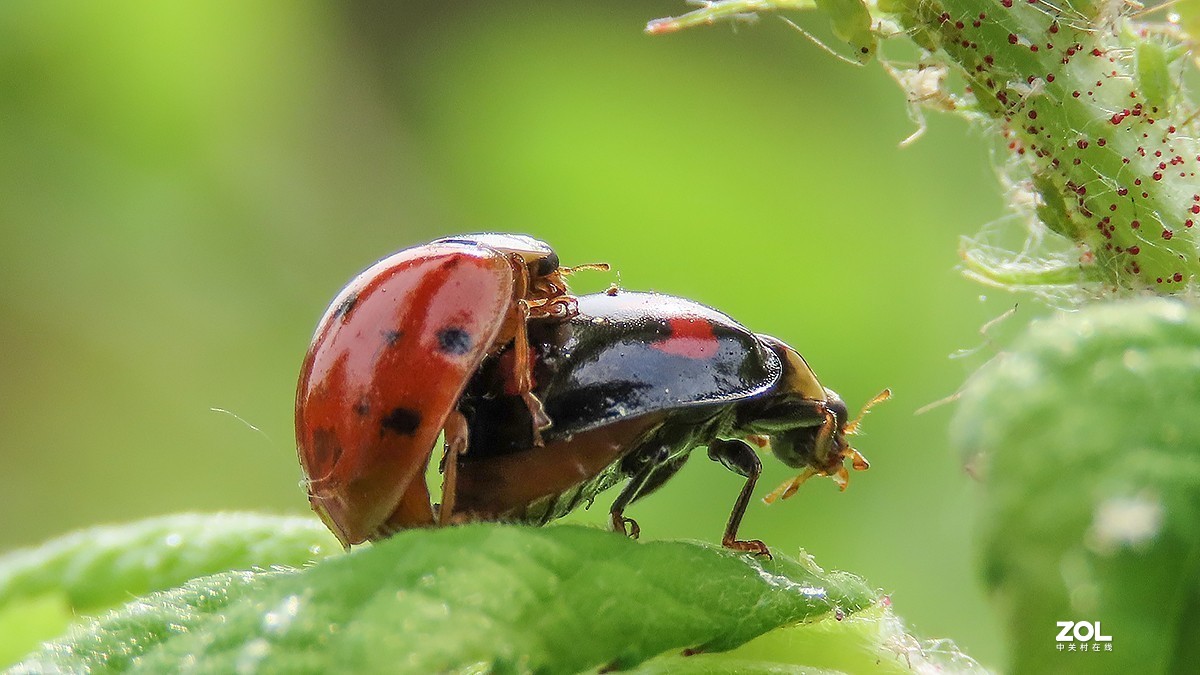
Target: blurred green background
x,y
186,185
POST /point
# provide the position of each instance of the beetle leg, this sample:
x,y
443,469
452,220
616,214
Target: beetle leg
x,y
521,366
561,307
631,492
455,445
524,380
825,434
739,457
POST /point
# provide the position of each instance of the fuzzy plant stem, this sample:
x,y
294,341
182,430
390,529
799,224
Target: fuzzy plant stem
x,y
1088,104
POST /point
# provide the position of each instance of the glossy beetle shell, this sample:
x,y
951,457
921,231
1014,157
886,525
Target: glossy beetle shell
x,y
630,355
627,367
386,367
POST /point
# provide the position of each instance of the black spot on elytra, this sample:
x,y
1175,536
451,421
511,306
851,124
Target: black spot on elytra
x,y
403,421
362,407
454,340
392,336
345,306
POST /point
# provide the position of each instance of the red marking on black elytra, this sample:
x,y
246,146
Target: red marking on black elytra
x,y
690,337
508,367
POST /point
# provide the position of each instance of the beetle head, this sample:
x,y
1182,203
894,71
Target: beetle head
x,y
821,450
819,446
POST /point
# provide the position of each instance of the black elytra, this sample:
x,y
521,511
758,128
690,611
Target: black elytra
x,y
633,384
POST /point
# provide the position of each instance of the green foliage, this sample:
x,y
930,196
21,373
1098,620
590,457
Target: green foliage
x,y
44,589
495,598
1088,434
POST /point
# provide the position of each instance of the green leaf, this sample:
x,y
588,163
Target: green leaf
x,y
474,598
43,589
1089,434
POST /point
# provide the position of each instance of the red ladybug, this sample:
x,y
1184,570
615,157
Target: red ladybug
x,y
390,358
634,382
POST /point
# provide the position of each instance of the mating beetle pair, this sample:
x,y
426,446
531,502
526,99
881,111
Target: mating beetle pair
x,y
545,399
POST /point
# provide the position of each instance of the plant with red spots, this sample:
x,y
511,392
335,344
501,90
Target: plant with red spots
x,y
1077,92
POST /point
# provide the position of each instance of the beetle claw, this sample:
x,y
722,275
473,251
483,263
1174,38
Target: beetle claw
x,y
752,546
538,413
626,526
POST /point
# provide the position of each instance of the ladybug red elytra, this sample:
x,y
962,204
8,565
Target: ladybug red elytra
x,y
634,382
389,359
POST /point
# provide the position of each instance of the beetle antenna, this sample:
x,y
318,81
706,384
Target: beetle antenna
x,y
852,426
599,267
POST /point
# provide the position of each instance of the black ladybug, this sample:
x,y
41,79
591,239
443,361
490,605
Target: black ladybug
x,y
633,384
